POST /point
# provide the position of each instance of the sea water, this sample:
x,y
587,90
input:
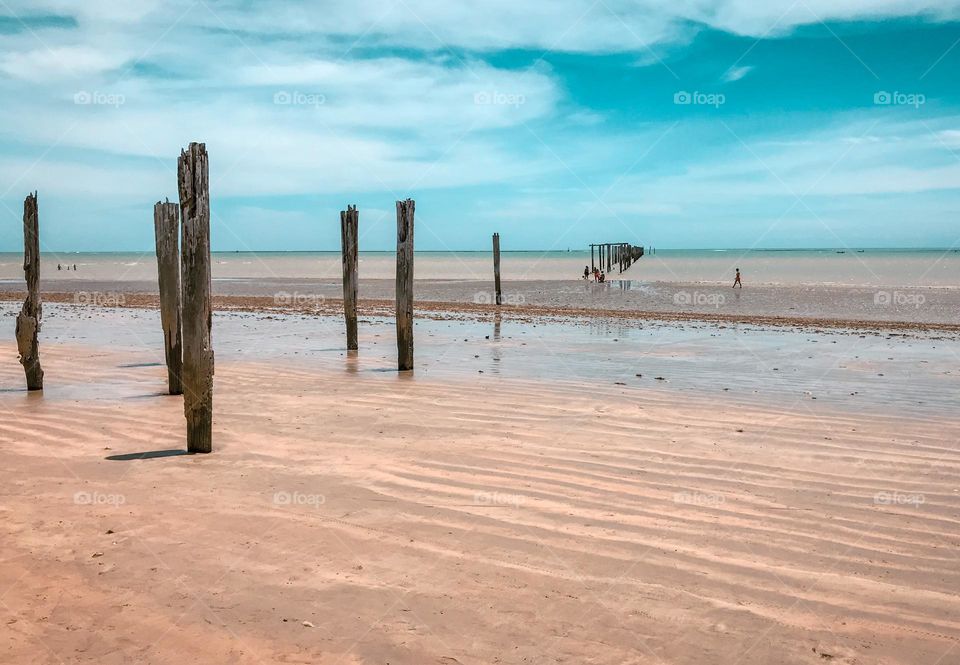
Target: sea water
x,y
852,267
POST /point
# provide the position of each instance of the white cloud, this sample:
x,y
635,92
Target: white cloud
x,y
893,158
44,63
736,73
950,137
481,25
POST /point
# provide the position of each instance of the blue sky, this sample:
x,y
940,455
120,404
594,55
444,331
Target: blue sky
x,y
692,124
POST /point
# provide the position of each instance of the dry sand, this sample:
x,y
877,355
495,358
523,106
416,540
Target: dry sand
x,y
351,515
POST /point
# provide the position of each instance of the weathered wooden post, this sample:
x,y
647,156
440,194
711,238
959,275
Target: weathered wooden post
x,y
193,177
166,226
28,320
405,284
349,225
496,267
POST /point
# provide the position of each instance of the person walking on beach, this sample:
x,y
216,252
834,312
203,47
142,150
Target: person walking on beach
x,y
586,272
736,280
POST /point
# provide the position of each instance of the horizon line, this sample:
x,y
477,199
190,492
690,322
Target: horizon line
x,y
513,251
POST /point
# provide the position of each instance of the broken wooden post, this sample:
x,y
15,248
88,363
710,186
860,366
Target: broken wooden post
x,y
193,177
166,226
405,284
496,267
28,320
349,224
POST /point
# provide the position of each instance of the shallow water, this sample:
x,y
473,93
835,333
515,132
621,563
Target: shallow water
x,y
914,376
852,267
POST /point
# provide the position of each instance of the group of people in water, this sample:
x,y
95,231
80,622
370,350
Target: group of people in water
x,y
60,267
598,275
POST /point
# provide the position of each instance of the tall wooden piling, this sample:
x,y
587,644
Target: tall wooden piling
x,y
405,284
166,226
496,267
349,225
193,176
28,320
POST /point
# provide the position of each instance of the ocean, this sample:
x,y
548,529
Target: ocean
x,y
851,267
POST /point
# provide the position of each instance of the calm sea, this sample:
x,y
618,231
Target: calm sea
x,y
869,267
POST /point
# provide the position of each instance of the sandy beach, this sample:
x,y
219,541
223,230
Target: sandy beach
x,y
594,490
479,333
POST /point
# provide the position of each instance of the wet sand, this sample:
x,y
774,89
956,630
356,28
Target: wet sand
x,y
843,304
606,491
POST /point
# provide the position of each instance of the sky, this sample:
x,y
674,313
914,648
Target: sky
x,y
557,123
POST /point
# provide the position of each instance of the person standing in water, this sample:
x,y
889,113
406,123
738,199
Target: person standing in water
x,y
736,280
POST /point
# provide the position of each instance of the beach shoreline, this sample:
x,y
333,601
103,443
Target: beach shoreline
x,y
312,298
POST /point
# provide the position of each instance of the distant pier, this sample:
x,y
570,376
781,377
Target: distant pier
x,y
621,254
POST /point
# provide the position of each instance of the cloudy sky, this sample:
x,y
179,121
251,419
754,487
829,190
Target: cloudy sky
x,y
690,123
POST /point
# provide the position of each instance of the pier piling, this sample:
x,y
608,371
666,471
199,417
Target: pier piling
x,y
609,254
349,225
198,363
166,226
28,320
405,210
496,267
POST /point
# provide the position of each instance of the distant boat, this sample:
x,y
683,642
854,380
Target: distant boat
x,y
840,251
